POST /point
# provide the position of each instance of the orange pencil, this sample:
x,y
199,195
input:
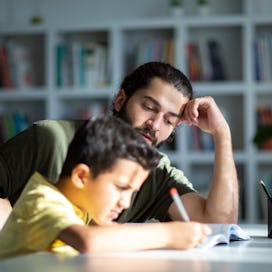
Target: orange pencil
x,y
177,200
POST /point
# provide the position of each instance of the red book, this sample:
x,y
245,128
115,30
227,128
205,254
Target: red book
x,y
4,68
193,61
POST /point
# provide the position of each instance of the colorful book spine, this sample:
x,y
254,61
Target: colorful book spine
x,y
5,75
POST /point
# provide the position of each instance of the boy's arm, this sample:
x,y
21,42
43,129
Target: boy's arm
x,y
128,237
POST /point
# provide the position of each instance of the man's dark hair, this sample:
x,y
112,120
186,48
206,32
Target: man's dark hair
x,y
141,77
100,142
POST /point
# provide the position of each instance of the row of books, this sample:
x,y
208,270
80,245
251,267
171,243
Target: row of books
x,y
12,124
205,61
93,110
16,69
263,133
201,141
81,64
262,50
264,115
156,49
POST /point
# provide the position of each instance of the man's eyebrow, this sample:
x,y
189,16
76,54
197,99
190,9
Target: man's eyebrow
x,y
159,105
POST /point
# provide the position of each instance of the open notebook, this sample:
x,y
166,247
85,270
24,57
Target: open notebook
x,y
223,234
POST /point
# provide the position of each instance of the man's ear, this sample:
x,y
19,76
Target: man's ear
x,y
120,100
80,175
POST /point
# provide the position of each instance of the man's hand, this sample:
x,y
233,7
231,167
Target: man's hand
x,y
204,113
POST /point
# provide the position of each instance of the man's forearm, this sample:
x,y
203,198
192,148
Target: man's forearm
x,y
5,209
223,198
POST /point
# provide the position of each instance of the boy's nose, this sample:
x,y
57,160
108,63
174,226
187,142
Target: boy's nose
x,y
124,203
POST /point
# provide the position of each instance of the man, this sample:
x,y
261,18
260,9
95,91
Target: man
x,y
154,99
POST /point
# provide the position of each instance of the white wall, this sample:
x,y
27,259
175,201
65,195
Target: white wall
x,y
60,12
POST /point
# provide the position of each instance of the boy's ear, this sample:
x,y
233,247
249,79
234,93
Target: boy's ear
x,y
80,175
120,100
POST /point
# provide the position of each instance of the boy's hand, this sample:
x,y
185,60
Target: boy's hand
x,y
187,235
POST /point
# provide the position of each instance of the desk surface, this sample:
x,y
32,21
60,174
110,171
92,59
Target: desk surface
x,y
253,255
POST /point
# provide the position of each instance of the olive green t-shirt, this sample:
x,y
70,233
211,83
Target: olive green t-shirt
x,y
43,148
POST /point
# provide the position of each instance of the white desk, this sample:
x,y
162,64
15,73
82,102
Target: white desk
x,y
246,256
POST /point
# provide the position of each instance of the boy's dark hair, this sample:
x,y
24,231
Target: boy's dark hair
x,y
141,77
100,142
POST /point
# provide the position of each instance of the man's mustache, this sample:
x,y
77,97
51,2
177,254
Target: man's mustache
x,y
149,132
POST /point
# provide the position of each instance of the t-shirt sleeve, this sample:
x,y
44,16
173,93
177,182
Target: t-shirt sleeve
x,y
174,176
167,176
47,221
36,221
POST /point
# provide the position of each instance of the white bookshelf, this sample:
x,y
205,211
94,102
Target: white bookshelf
x,y
234,24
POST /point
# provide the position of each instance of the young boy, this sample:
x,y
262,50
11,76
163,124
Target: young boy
x,y
106,162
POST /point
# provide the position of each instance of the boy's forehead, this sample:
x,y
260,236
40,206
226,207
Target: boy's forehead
x,y
127,173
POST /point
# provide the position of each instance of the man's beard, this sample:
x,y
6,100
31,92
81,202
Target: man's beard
x,y
122,114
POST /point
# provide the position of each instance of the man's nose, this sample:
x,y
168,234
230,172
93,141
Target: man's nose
x,y
155,121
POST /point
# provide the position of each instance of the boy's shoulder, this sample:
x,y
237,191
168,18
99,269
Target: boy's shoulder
x,y
36,184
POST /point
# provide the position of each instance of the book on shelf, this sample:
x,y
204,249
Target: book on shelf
x,y
223,234
15,65
215,55
155,49
95,64
5,74
77,63
262,48
12,124
94,109
82,64
62,56
205,61
262,137
257,66
21,65
264,115
200,140
193,61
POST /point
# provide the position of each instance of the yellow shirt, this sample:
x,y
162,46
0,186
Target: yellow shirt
x,y
38,217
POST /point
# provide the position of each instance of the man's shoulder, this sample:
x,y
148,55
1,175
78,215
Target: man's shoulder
x,y
164,161
59,123
57,128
